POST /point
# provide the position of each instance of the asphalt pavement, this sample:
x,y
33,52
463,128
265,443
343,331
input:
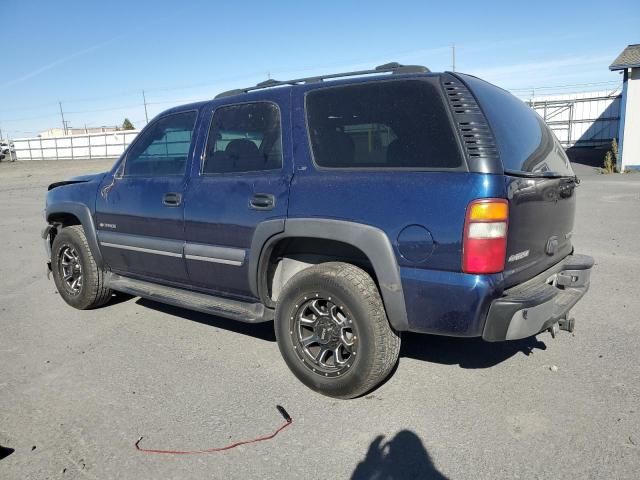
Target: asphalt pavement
x,y
78,388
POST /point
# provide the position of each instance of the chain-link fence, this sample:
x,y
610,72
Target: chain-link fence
x,y
581,120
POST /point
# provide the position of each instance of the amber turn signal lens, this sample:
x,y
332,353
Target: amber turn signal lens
x,y
489,210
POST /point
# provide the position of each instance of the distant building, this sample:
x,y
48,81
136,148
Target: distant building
x,y
629,134
59,132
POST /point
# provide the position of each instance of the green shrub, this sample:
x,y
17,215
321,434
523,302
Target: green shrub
x,y
611,158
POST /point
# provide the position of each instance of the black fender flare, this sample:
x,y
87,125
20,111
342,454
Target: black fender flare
x,y
83,214
372,241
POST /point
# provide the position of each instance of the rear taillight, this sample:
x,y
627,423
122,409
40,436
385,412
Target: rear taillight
x,y
484,244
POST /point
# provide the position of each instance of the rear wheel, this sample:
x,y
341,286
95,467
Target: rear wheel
x,y
333,331
77,277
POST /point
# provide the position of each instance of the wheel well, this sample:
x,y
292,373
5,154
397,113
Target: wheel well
x,y
291,255
64,219
61,220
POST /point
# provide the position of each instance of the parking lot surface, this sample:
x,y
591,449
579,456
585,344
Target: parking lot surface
x,y
78,388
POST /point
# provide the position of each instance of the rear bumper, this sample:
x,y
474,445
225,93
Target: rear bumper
x,y
539,303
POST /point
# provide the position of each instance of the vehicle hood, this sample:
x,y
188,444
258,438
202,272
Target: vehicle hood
x,y
79,179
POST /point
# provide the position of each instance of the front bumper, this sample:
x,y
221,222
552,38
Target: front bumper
x,y
45,234
540,303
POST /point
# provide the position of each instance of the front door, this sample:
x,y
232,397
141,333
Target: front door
x,y
140,208
242,180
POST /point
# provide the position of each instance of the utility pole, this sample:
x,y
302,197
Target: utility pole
x,y
144,99
64,125
453,57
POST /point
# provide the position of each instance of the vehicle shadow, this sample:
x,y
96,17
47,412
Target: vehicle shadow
x,y
119,297
467,352
402,457
5,452
263,331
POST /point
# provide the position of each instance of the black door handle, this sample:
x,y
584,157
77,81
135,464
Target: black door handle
x,y
172,199
262,201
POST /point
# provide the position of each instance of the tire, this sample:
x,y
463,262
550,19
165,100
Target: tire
x,y
72,258
335,307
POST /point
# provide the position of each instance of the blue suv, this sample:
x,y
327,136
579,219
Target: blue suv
x,y
346,208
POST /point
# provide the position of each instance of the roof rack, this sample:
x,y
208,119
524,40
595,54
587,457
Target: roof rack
x,y
393,67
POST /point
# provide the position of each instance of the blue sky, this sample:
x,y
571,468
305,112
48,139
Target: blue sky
x,y
97,57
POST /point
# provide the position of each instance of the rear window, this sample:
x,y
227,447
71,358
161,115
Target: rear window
x,y
396,124
524,142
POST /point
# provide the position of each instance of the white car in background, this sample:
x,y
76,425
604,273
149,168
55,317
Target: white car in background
x,y
6,147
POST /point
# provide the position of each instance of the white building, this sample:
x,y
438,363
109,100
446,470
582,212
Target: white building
x,y
629,134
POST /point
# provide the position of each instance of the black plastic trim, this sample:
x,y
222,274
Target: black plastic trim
x,y
372,241
249,312
474,131
537,298
393,67
82,213
263,232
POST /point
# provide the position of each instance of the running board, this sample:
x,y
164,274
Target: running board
x,y
223,307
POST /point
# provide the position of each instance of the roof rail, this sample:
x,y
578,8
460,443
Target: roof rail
x,y
393,67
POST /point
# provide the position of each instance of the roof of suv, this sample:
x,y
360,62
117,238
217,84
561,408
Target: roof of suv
x,y
382,72
357,76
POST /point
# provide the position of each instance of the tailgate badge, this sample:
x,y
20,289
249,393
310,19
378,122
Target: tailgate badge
x,y
518,256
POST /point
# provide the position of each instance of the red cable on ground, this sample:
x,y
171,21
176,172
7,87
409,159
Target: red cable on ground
x,y
283,412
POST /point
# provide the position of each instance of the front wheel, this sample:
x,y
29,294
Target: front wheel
x,y
78,279
333,332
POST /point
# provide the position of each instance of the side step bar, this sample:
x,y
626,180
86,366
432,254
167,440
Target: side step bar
x,y
223,307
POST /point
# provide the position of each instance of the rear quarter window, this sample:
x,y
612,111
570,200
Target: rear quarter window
x,y
386,125
524,142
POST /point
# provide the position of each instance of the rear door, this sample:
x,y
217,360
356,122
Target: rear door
x,y
140,208
540,183
241,181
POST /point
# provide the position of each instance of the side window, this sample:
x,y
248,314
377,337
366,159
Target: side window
x,y
244,138
396,124
163,148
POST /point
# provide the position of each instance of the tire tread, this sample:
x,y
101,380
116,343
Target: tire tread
x,y
97,293
355,282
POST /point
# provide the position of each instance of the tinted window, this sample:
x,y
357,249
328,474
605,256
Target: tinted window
x,y
244,138
398,124
163,148
524,142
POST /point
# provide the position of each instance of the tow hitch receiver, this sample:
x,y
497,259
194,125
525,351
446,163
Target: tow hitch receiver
x,y
566,324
